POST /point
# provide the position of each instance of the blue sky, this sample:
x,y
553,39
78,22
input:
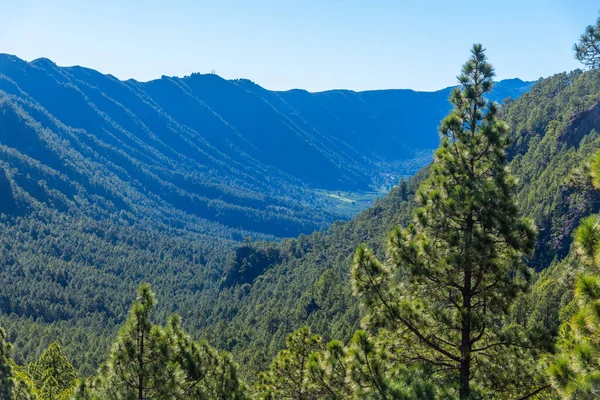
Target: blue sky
x,y
310,44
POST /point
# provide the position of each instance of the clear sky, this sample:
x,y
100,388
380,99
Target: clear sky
x,y
310,44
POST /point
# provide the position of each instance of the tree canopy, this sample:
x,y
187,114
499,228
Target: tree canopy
x,y
587,50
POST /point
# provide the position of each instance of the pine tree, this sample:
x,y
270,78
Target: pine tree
x,y
24,388
288,377
6,373
454,271
328,371
206,373
53,375
141,364
587,51
148,361
366,368
305,370
372,373
575,370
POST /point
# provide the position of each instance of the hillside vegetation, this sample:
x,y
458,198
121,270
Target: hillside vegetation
x,y
554,129
461,272
105,184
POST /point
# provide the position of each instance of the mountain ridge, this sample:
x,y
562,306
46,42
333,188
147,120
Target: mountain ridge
x,y
228,152
134,80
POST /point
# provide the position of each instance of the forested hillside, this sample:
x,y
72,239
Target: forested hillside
x,y
87,216
60,250
217,157
201,238
104,184
462,272
554,129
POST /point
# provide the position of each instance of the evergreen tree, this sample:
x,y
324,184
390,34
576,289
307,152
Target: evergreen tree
x,y
454,271
373,374
206,373
288,376
6,373
141,364
587,51
575,370
24,388
226,381
367,368
53,375
328,370
363,370
151,362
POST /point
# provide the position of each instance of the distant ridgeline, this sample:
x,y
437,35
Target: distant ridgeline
x,y
217,157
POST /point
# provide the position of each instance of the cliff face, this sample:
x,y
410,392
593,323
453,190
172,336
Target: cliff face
x,y
581,124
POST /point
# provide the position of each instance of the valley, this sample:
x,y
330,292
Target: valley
x,y
198,237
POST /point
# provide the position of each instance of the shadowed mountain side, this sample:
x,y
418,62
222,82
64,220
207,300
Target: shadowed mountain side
x,y
200,149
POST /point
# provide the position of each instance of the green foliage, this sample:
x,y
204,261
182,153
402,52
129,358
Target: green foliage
x,y
140,364
587,239
373,375
309,286
328,370
553,133
149,361
52,375
454,272
103,189
206,373
307,370
362,370
288,377
587,51
574,370
249,262
62,244
6,373
24,388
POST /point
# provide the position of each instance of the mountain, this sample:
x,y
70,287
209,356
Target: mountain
x,y
105,184
216,157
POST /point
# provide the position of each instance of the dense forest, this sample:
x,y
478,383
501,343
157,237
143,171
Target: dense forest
x,y
106,184
475,278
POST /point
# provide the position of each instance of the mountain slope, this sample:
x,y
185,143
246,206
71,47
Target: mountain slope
x,y
105,184
200,150
555,129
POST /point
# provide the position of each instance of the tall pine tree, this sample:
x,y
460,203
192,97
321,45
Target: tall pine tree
x,y
206,374
454,271
141,364
288,377
148,361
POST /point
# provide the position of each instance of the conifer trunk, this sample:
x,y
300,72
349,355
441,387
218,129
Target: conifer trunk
x,y
465,349
465,343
